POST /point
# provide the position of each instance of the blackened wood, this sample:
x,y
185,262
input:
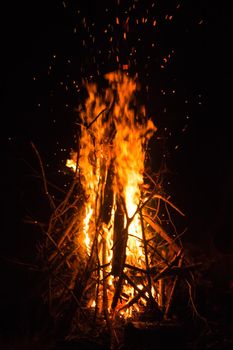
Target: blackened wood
x,y
108,197
119,241
117,294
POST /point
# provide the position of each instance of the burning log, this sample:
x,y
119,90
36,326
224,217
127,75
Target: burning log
x,y
119,241
108,199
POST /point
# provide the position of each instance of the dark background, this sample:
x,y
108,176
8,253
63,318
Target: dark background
x,y
36,108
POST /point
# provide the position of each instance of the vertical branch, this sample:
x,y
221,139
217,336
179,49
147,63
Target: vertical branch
x,y
117,291
119,240
105,294
161,292
169,302
119,248
146,256
51,201
98,285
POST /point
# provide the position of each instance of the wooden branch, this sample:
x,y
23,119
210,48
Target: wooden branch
x,y
182,271
135,298
155,251
169,302
170,203
63,204
98,115
120,237
53,256
140,291
58,250
146,255
105,294
151,179
106,208
117,291
51,201
155,195
190,288
164,271
135,268
67,231
160,231
38,176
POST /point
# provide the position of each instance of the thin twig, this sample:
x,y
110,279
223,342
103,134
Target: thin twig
x,y
98,115
51,201
158,229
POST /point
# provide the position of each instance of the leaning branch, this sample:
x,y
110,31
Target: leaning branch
x,y
51,201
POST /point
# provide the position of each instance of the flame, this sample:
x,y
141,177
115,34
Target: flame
x,y
114,136
130,156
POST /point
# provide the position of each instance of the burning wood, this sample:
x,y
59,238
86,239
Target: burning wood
x,y
106,249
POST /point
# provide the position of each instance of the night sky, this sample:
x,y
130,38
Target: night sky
x,y
181,51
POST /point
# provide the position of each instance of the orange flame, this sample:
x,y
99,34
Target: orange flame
x,y
114,135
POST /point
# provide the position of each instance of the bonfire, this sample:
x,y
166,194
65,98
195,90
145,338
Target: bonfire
x,y
111,248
